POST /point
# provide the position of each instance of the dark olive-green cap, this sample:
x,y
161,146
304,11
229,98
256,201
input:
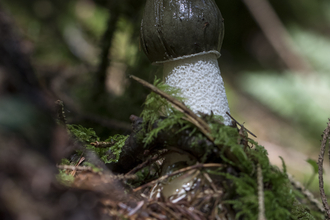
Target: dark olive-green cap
x,y
171,29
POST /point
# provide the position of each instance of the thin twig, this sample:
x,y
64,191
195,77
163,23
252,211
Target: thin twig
x,y
242,126
77,168
147,162
157,216
190,115
123,177
177,172
83,168
297,185
243,139
326,136
78,163
102,144
261,199
208,178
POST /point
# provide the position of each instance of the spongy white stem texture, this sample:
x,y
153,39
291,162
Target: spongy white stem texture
x,y
201,84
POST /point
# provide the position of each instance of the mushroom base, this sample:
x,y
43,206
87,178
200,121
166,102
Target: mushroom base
x,y
201,84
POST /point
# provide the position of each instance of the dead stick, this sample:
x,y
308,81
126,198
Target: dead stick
x,y
326,135
177,172
240,125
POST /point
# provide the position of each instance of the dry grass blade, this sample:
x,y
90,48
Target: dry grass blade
x,y
177,172
326,137
190,115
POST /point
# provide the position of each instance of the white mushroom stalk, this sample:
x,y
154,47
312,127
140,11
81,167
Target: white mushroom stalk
x,y
199,79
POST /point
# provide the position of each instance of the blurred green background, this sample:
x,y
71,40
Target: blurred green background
x,y
275,63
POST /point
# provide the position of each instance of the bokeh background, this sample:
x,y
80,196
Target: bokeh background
x,y
275,63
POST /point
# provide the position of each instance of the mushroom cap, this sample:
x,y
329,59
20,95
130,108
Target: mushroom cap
x,y
172,29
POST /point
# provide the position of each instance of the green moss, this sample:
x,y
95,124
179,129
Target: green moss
x,y
119,142
301,212
65,161
85,135
64,178
106,154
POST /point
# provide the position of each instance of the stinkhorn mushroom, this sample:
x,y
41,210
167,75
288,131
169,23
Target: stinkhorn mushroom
x,y
185,36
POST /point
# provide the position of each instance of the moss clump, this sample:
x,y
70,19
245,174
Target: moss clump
x,y
84,135
88,135
64,178
118,143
